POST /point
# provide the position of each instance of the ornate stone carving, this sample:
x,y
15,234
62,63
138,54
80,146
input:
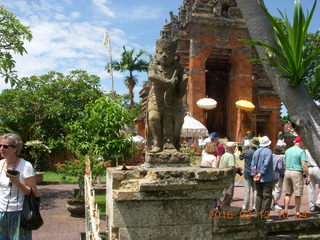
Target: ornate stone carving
x,y
165,111
220,8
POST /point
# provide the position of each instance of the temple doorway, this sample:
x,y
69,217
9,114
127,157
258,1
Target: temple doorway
x,y
217,87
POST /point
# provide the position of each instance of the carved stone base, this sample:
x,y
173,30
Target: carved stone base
x,y
167,158
163,203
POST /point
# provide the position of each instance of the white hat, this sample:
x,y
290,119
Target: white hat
x,y
264,141
230,144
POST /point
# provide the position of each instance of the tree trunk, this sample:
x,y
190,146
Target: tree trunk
x,y
299,103
131,97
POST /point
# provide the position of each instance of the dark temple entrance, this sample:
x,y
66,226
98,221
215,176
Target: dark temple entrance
x,y
217,87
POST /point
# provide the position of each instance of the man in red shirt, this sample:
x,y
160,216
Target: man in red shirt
x,y
215,138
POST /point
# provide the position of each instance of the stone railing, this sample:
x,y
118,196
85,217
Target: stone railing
x,y
92,212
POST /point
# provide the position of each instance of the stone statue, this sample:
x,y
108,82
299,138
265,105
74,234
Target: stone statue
x,y
165,111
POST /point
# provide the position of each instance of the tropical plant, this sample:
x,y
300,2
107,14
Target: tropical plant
x,y
288,65
311,43
130,62
194,152
37,153
290,56
101,130
77,168
12,35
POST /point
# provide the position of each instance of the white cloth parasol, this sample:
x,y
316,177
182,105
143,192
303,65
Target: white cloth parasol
x,y
193,128
207,103
137,139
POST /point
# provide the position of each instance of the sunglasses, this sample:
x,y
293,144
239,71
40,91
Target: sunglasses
x,y
6,146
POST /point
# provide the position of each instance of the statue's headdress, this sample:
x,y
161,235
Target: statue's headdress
x,y
165,42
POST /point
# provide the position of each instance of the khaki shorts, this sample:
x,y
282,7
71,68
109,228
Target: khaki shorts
x,y
293,183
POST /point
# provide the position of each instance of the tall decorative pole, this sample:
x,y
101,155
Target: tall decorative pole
x,y
108,43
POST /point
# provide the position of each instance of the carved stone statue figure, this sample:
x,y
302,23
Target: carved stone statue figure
x,y
165,111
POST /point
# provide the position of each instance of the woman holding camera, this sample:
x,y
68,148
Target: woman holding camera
x,y
16,180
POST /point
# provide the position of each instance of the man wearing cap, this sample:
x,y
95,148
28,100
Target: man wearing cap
x,y
249,184
215,138
228,160
296,163
262,172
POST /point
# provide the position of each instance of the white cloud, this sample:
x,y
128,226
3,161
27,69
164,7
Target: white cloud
x,y
3,85
101,5
145,12
75,14
64,41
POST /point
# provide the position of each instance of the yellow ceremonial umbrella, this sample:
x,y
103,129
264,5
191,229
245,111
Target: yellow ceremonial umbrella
x,y
243,105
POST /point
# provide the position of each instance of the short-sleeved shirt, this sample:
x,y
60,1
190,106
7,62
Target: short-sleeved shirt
x,y
227,160
13,193
294,157
221,149
208,160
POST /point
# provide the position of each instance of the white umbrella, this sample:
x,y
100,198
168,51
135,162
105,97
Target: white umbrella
x,y
207,103
193,128
138,139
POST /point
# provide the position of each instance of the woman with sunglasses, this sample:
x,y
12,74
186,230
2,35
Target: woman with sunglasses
x,y
16,180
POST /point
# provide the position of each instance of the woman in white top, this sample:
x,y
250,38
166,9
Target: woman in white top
x,y
208,158
13,187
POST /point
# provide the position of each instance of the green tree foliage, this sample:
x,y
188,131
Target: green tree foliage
x,y
39,107
293,58
130,62
12,35
100,131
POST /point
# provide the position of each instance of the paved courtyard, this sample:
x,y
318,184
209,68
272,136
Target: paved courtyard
x,y
58,224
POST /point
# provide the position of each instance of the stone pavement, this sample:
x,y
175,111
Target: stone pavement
x,y
59,225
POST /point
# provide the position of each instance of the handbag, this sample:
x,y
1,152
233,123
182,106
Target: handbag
x,y
30,216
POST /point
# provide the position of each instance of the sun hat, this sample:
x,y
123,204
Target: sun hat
x,y
297,139
254,142
230,144
264,141
214,135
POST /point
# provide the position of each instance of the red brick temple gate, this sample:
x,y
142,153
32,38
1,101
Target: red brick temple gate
x,y
209,33
210,48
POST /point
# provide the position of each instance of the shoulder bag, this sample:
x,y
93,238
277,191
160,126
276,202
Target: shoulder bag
x,y
30,216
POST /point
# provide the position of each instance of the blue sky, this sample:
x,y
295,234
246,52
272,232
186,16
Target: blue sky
x,y
68,34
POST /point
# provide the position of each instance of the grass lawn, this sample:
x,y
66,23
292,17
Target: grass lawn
x,y
101,202
53,177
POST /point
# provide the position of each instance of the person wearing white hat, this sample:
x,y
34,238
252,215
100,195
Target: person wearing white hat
x,y
228,160
262,172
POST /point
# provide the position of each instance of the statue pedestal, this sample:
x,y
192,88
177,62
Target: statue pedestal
x,y
163,203
167,158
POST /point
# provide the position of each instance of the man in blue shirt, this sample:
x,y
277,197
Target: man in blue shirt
x,y
262,172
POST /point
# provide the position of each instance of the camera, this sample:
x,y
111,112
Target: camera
x,y
238,171
12,172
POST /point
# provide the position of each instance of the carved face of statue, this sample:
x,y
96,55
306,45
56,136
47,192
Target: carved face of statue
x,y
165,56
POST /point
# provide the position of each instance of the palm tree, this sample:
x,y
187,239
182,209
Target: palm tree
x,y
287,66
129,62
